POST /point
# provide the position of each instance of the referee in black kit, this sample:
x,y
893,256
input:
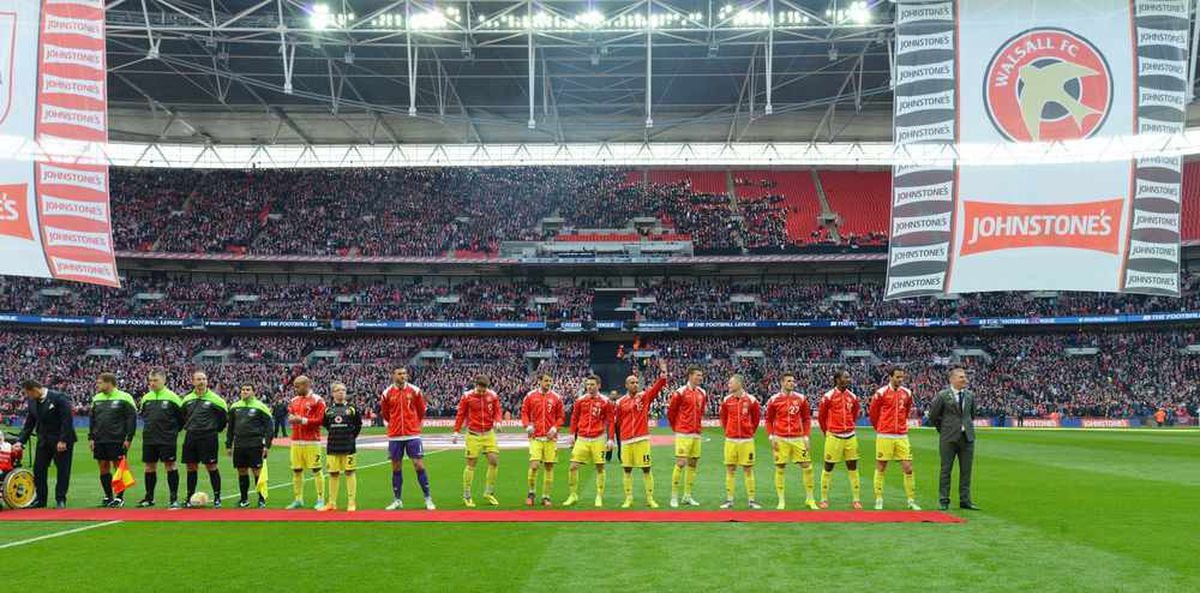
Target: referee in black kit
x,y
49,413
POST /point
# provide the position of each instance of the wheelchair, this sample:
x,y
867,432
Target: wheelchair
x,y
16,482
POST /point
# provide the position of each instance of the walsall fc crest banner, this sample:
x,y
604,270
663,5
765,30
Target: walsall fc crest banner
x,y
1004,72
54,211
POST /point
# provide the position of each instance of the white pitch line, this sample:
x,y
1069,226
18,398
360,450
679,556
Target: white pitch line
x,y
75,530
57,534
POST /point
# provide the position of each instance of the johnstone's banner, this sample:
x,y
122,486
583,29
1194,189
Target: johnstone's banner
x,y
991,72
55,220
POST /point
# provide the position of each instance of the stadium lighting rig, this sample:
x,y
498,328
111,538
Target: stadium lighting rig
x,y
555,18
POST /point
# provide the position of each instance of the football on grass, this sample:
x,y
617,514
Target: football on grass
x,y
199,499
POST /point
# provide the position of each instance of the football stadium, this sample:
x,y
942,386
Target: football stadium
x,y
599,295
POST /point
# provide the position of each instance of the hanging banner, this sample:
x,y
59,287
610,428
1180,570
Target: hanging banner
x,y
1033,71
925,104
54,213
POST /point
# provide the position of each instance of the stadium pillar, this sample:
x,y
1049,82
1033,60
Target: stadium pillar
x,y
649,57
768,108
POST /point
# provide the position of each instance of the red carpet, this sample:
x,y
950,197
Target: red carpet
x,y
464,516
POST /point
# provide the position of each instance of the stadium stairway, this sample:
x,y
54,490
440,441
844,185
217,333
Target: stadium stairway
x,y
607,306
826,211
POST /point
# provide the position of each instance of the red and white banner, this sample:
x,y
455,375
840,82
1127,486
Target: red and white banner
x,y
54,213
1002,72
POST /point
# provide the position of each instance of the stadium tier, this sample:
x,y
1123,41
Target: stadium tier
x,y
432,212
184,296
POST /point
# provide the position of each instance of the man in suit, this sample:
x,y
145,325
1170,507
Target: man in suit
x,y
952,413
49,413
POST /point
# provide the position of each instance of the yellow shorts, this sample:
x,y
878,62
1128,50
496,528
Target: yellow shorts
x,y
841,449
687,446
336,464
481,443
887,449
305,456
739,452
790,451
636,454
545,451
589,451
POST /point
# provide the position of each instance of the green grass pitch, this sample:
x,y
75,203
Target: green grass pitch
x,y
1063,511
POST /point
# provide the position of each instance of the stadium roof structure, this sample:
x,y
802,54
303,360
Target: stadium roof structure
x,y
234,83
498,72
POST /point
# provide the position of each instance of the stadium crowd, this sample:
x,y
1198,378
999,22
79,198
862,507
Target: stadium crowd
x,y
1129,374
182,297
410,212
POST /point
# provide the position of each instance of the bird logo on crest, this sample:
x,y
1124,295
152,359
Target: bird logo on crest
x,y
1047,84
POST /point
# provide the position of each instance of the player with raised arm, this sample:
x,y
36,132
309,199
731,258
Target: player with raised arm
x,y
789,422
402,407
633,432
541,415
205,413
739,415
248,440
342,423
837,414
113,424
685,413
306,412
889,410
479,410
162,418
591,438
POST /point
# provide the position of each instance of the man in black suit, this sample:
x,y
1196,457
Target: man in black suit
x,y
952,413
49,413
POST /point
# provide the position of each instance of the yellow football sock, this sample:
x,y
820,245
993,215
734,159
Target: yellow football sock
x,y
573,481
751,486
676,475
807,472
855,485
826,478
298,486
780,482
333,489
468,478
690,480
728,485
627,484
910,486
351,488
319,478
878,485
547,482
531,477
490,479
600,481
648,481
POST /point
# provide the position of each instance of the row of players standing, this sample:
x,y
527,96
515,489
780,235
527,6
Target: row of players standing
x,y
596,424
201,415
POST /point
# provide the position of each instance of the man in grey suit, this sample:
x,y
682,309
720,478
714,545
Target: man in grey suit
x,y
952,413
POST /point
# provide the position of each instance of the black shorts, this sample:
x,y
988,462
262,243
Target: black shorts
x,y
156,453
247,457
200,449
108,452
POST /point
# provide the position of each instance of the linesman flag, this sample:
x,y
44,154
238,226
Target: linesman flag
x,y
261,485
123,478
